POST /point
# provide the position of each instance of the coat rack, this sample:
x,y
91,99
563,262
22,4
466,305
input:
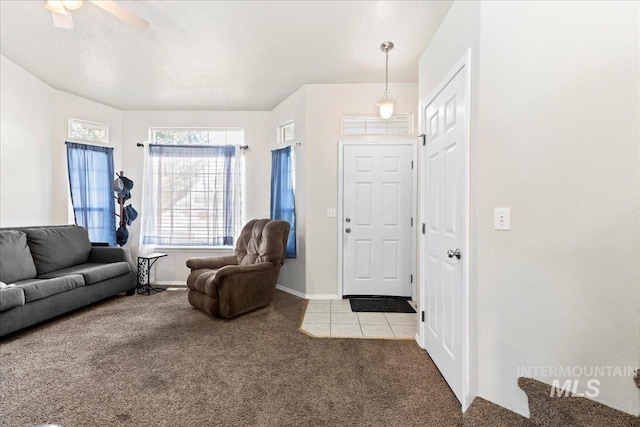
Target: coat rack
x,y
122,186
121,204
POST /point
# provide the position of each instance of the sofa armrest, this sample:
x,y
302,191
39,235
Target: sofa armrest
x,y
105,255
241,269
211,262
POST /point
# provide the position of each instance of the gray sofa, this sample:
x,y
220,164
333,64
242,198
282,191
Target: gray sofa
x,y
55,270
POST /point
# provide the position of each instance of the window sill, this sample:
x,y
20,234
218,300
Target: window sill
x,y
193,248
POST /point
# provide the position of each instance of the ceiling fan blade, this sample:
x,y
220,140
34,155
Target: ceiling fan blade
x,y
121,13
62,20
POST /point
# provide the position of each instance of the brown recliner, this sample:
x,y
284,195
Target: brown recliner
x,y
232,285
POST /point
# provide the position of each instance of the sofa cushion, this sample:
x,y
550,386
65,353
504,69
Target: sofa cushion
x,y
54,248
35,289
10,298
92,273
16,262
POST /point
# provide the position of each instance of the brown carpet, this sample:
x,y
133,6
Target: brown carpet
x,y
570,411
156,361
483,413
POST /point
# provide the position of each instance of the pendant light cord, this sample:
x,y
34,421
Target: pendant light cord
x,y
386,73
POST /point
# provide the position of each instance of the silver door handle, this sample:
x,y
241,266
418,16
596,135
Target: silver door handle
x,y
347,230
451,253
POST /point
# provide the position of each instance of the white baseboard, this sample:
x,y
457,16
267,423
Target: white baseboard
x,y
290,291
323,296
169,283
299,294
306,296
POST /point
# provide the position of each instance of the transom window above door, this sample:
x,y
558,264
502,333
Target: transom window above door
x,y
362,124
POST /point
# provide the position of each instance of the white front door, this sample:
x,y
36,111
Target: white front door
x,y
377,218
444,214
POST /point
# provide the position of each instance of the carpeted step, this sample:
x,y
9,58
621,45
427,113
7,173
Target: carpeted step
x,y
483,413
570,411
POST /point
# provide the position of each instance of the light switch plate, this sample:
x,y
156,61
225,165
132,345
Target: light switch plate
x,y
331,213
502,218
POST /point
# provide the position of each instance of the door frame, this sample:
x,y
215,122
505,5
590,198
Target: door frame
x,y
463,62
414,202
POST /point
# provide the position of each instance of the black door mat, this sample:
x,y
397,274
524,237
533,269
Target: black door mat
x,y
380,305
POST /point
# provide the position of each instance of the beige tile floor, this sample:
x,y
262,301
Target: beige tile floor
x,y
334,318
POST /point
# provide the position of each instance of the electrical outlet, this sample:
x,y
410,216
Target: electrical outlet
x,y
502,218
331,213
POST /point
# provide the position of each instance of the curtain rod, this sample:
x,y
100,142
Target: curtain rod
x,y
241,147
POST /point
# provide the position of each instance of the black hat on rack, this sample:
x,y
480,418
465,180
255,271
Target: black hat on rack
x,y
122,235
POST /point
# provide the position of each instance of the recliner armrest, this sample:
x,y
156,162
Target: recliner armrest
x,y
240,269
212,262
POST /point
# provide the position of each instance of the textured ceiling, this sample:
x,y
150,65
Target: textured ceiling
x,y
217,55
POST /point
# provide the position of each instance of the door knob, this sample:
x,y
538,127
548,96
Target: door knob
x,y
347,230
451,253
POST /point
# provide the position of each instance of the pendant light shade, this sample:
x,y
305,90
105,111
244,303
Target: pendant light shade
x,y
386,107
386,103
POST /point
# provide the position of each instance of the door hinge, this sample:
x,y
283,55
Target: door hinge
x,y
412,278
423,227
424,138
412,221
411,164
423,316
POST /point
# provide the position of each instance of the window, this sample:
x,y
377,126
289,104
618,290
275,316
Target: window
x,y
90,181
192,187
286,132
398,124
85,131
283,193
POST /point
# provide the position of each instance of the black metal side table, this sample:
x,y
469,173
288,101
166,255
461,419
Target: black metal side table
x,y
145,262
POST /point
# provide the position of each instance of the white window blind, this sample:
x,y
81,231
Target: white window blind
x,y
358,124
193,187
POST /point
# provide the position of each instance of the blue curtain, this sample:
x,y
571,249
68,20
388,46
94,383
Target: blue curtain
x,y
189,195
283,204
91,182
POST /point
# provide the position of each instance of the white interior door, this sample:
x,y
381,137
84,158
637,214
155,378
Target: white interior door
x,y
377,218
444,240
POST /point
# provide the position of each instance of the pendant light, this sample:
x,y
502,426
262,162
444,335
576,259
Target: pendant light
x,y
386,103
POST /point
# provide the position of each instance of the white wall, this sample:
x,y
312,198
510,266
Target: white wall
x,y
34,130
292,274
65,106
556,139
559,136
26,190
325,105
135,129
